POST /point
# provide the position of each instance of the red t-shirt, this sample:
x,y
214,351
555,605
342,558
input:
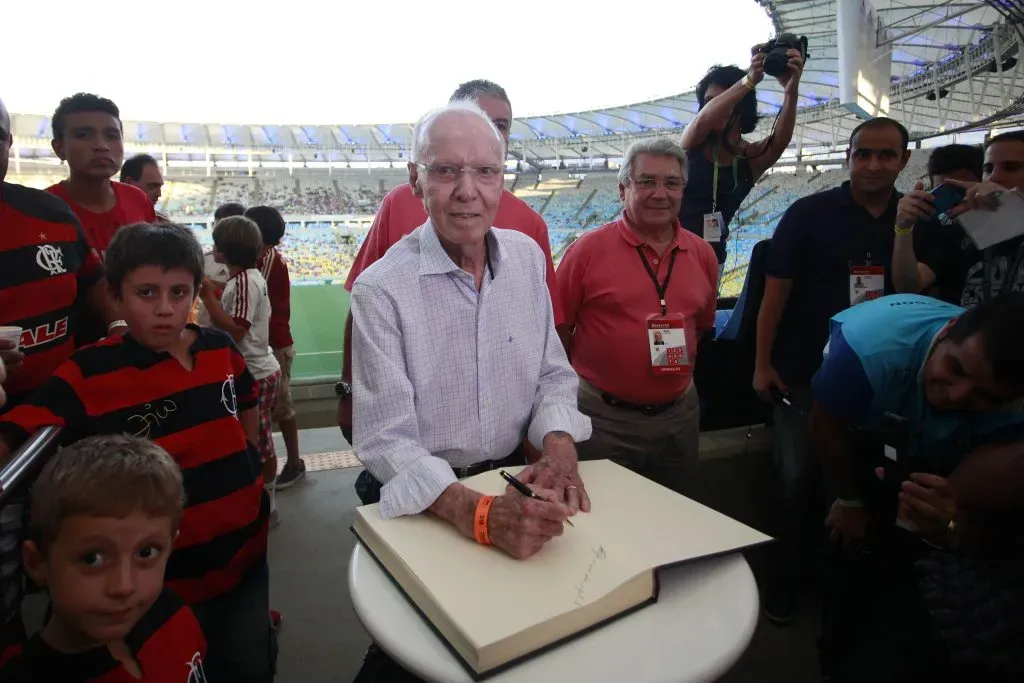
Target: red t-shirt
x,y
401,212
131,206
279,289
607,296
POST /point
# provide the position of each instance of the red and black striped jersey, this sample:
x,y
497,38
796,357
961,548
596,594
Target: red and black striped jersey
x,y
120,386
167,643
46,266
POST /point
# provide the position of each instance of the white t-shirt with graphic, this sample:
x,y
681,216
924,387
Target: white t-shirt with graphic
x,y
245,299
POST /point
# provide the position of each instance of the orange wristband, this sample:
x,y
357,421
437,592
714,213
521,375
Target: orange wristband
x,y
480,518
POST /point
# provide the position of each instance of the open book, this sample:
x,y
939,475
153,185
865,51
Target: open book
x,y
492,609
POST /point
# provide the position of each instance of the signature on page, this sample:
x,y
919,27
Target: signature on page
x,y
597,556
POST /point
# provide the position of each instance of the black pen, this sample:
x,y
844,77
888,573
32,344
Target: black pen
x,y
524,489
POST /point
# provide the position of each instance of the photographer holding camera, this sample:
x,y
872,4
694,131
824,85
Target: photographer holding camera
x,y
722,166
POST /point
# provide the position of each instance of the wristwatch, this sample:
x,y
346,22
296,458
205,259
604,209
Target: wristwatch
x,y
343,389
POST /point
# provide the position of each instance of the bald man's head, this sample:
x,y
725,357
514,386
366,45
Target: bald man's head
x,y
5,139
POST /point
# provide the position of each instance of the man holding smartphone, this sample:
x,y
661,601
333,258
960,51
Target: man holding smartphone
x,y
943,385
939,259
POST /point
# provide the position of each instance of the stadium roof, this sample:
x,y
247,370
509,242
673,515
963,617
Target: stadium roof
x,y
955,66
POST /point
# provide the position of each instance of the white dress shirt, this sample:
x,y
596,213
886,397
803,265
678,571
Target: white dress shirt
x,y
444,375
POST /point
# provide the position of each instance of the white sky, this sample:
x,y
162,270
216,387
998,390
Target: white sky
x,y
362,61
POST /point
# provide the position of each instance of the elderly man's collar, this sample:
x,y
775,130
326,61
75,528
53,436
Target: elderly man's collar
x,y
434,260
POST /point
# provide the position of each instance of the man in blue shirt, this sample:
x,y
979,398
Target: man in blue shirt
x,y
956,377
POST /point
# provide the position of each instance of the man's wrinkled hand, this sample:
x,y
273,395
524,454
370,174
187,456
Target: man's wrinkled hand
x,y
557,470
521,526
11,356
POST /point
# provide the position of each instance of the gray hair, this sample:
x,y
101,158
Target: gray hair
x,y
464,108
472,90
655,147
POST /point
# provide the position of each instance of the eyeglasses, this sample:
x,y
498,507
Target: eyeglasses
x,y
648,183
447,173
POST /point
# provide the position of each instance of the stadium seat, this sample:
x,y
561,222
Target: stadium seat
x,y
725,366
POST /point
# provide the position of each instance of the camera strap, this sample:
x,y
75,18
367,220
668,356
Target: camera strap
x,y
714,177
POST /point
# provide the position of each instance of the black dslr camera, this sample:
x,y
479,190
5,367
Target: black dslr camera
x,y
775,60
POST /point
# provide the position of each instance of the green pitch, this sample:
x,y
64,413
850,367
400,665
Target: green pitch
x,y
318,328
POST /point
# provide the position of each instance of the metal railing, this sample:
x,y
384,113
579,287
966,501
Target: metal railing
x,y
27,461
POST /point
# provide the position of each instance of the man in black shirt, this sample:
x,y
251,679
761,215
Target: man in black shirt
x,y
821,247
946,259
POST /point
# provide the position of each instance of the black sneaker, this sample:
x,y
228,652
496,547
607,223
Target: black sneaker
x,y
290,475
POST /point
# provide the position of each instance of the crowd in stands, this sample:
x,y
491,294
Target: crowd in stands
x,y
569,206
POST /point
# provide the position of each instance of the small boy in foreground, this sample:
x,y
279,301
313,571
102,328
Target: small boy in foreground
x,y
188,389
104,513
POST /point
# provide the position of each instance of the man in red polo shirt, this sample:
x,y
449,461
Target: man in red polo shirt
x,y
87,134
401,212
637,294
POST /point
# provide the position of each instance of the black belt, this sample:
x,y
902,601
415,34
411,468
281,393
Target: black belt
x,y
648,410
516,457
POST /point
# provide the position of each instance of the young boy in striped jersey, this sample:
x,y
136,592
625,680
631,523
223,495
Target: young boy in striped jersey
x,y
188,389
104,513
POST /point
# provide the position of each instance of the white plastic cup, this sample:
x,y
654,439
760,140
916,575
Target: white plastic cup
x,y
12,334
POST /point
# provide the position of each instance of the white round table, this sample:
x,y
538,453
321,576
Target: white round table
x,y
703,621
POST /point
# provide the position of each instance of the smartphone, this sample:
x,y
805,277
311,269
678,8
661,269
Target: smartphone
x,y
946,197
896,436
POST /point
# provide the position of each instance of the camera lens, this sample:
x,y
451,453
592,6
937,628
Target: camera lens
x,y
775,62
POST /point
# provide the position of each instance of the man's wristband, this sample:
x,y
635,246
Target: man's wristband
x,y
748,82
481,518
849,502
116,323
901,230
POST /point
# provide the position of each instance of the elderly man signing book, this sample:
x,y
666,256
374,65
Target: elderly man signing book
x,y
456,358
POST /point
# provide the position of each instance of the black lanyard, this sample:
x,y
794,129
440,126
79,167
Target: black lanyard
x,y
1009,277
663,287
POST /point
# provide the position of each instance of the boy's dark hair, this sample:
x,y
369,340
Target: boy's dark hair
x,y
132,169
1000,322
229,209
470,90
949,158
883,121
81,103
726,77
167,245
238,240
105,476
270,222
